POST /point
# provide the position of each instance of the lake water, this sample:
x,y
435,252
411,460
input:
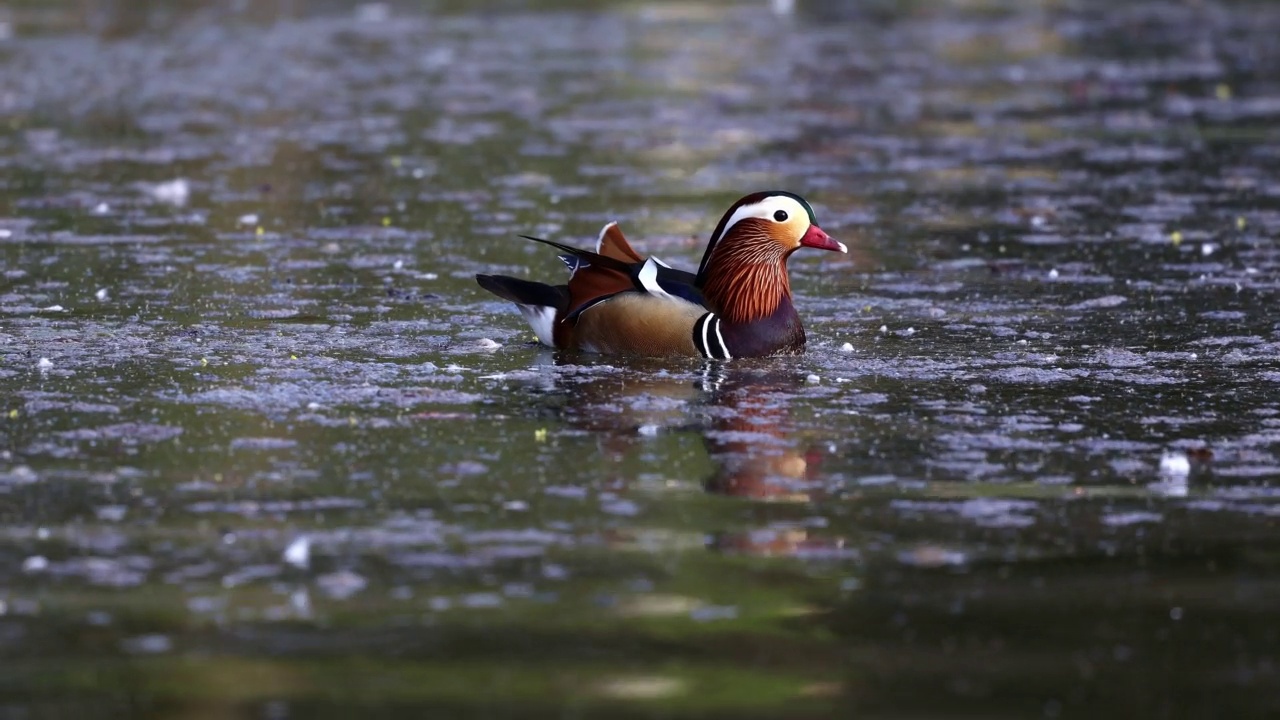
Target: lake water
x,y
267,451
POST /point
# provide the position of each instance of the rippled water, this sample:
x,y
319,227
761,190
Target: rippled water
x,y
268,451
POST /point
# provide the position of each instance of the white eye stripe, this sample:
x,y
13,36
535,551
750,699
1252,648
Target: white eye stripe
x,y
765,210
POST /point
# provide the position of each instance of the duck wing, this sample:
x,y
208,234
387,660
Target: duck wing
x,y
617,268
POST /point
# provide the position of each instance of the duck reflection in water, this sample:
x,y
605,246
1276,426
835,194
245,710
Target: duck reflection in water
x,y
743,416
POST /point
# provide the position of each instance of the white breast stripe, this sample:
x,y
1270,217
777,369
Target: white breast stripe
x,y
703,348
724,349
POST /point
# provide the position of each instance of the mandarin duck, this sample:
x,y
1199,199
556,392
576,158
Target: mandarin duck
x,y
738,304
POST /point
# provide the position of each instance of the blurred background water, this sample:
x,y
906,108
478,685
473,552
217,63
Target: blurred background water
x,y
267,451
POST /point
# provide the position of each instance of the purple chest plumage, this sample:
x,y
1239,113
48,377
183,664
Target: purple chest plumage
x,y
780,332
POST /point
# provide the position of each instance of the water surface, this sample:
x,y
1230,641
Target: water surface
x,y
268,451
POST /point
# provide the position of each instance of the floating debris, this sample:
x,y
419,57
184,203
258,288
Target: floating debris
x,y
1175,464
174,192
298,554
1131,518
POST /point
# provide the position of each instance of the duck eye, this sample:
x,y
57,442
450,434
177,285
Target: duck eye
x,y
780,216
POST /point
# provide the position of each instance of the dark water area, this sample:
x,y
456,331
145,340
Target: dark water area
x,y
267,451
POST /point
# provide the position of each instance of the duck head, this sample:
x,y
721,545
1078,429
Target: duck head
x,y
744,269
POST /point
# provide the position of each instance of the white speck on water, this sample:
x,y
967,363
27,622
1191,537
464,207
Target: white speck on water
x,y
648,430
101,209
515,505
1175,464
884,328
45,364
397,265
616,506
147,644
111,513
429,276
1131,518
1053,274
481,600
174,192
5,233
35,564
53,308
314,406
847,347
298,554
1037,221
1106,301
813,379
102,295
43,533
342,584
1207,249
488,344
249,219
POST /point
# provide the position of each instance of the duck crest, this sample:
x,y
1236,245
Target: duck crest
x,y
734,215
